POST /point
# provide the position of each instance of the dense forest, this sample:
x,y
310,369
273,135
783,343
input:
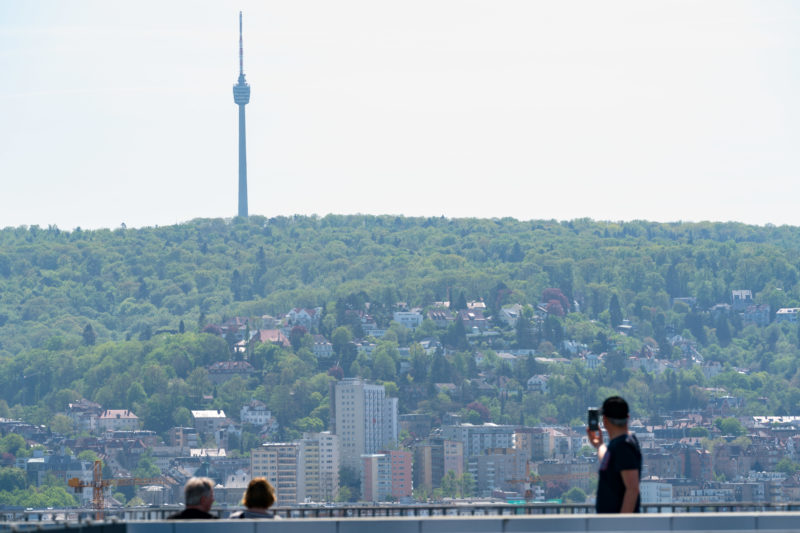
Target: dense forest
x,y
117,316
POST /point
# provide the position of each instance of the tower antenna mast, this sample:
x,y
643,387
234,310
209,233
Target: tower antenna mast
x,y
241,49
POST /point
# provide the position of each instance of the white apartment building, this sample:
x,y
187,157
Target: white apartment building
x,y
376,480
787,314
363,418
655,491
280,463
410,319
477,439
209,420
321,464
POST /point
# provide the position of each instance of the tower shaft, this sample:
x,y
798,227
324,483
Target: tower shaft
x,y
242,165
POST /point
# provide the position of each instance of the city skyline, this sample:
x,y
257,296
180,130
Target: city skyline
x,y
119,114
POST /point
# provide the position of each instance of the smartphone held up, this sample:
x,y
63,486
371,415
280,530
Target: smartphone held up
x,y
594,419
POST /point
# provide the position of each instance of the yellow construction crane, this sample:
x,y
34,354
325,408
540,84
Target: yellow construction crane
x,y
528,482
99,485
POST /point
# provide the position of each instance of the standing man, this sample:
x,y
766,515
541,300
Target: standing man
x,y
620,460
199,495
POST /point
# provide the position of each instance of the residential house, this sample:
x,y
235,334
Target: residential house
x,y
430,345
741,299
678,461
28,431
476,304
231,487
712,369
84,415
553,360
308,318
726,403
509,358
571,347
720,310
269,322
222,371
63,467
275,336
447,388
183,437
593,361
236,328
126,447
410,319
580,472
223,434
365,347
473,319
256,413
118,420
510,314
209,420
441,317
538,383
647,364
787,314
370,326
691,301
756,314
544,443
323,349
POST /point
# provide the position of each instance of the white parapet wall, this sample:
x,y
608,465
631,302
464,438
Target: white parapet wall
x,y
773,522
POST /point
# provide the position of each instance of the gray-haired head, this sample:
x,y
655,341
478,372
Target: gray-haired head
x,y
197,488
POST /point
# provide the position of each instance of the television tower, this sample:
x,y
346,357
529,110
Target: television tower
x,y
241,96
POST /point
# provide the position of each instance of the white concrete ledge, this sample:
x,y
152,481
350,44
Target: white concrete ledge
x,y
772,522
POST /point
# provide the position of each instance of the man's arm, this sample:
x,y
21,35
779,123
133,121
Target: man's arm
x,y
630,478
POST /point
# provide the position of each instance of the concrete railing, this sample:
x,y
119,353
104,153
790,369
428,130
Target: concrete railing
x,y
772,522
334,511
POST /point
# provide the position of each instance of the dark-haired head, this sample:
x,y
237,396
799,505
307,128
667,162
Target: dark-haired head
x,y
615,410
260,494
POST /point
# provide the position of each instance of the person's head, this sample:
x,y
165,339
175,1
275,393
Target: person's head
x,y
260,494
615,412
199,493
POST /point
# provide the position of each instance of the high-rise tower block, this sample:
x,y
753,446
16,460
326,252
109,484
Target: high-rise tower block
x,y
241,96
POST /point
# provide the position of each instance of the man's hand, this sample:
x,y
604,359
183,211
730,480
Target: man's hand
x,y
596,440
595,437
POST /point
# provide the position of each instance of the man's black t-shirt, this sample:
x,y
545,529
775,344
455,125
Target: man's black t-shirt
x,y
622,453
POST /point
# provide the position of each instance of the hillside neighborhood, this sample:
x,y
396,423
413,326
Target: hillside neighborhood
x,y
375,450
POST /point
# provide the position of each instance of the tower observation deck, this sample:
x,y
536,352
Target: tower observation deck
x,y
241,96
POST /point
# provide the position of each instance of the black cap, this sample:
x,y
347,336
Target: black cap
x,y
615,408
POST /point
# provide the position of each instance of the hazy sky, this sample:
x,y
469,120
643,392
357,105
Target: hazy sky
x,y
122,112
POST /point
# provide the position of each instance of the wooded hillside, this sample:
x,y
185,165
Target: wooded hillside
x,y
98,313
